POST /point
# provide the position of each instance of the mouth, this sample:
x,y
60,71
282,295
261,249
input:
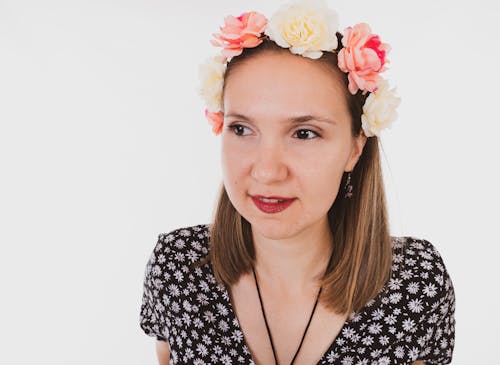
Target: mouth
x,y
272,204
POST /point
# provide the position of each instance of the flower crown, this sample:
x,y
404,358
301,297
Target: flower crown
x,y
307,28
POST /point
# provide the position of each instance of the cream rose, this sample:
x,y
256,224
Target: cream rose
x,y
379,110
307,27
211,75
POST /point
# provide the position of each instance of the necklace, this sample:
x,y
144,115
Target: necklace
x,y
267,325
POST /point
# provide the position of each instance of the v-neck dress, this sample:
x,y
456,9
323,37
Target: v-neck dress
x,y
412,317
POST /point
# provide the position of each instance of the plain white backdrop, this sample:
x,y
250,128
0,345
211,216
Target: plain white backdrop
x,y
104,145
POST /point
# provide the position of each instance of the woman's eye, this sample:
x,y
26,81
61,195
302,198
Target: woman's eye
x,y
237,129
305,132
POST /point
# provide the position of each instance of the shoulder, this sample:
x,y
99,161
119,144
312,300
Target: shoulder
x,y
164,280
416,249
422,290
418,256
418,268
172,259
184,244
175,251
191,240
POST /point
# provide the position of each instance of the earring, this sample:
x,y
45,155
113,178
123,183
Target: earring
x,y
348,187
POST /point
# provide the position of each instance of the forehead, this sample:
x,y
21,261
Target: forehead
x,y
281,84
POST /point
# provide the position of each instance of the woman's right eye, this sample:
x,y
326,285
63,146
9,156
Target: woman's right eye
x,y
237,129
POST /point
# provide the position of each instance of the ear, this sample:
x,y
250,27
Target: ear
x,y
358,143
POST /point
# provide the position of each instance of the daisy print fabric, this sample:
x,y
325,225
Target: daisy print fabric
x,y
412,318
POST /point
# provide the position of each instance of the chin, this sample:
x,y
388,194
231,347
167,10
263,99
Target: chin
x,y
273,228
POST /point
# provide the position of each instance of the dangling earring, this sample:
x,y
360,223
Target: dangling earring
x,y
348,187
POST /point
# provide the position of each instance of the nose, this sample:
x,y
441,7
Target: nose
x,y
269,165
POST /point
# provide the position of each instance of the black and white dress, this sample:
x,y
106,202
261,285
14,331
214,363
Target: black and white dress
x,y
412,317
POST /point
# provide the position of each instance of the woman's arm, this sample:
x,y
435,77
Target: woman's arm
x,y
163,352
414,363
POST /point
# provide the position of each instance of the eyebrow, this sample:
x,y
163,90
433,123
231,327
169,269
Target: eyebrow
x,y
294,120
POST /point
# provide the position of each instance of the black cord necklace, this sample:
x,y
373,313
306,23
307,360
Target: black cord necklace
x,y
267,325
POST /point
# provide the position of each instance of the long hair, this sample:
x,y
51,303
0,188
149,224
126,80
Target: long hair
x,y
362,256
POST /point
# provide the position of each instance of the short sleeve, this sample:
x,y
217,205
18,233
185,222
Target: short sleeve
x,y
439,325
154,313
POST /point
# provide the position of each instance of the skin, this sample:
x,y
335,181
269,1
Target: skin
x,y
163,352
264,152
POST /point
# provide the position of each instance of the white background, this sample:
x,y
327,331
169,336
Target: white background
x,y
103,145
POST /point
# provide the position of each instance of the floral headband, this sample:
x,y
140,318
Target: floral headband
x,y
307,28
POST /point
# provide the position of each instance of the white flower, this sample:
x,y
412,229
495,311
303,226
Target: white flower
x,y
375,328
211,74
394,298
409,325
399,352
395,284
367,340
390,319
415,305
412,288
307,27
379,110
430,290
384,361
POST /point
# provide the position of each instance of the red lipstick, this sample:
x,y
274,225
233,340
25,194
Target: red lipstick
x,y
277,206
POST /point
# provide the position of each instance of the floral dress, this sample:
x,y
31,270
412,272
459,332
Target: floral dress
x,y
412,317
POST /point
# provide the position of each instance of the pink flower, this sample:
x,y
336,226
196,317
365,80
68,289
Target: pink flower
x,y
217,120
363,57
241,32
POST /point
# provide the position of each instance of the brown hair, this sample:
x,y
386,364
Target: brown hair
x,y
361,261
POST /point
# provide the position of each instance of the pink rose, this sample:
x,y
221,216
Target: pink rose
x,y
241,32
216,119
363,57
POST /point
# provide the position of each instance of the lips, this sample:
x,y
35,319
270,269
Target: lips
x,y
272,204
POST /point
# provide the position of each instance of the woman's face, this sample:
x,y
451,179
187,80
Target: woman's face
x,y
287,133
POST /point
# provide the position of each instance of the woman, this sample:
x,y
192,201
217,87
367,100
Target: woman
x,y
298,265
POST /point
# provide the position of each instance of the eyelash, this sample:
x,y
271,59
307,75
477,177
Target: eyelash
x,y
234,126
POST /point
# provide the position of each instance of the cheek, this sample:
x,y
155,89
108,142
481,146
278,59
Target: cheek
x,y
324,179
323,176
233,166
327,161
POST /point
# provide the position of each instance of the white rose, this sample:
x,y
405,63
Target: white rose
x,y
307,27
211,75
379,110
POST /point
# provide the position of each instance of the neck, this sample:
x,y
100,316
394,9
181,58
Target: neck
x,y
293,263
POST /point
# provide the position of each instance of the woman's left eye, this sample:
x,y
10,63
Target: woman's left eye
x,y
305,132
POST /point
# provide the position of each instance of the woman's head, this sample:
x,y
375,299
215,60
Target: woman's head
x,y
289,131
295,109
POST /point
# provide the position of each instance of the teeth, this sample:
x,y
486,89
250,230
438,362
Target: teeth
x,y
270,200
